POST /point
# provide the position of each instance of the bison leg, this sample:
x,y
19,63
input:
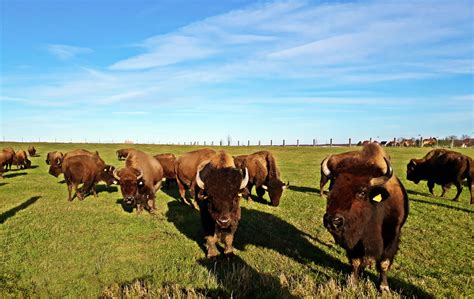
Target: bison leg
x,y
228,240
151,205
445,188
357,268
139,208
69,189
182,191
260,192
211,246
430,187
470,184
459,187
382,268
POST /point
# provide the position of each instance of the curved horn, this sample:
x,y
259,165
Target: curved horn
x,y
324,166
115,173
245,180
140,175
384,178
199,181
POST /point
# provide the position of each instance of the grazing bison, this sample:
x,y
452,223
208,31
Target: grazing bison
x,y
167,162
263,174
219,200
123,153
366,210
139,180
87,170
21,160
333,160
32,151
442,167
3,161
186,166
9,157
429,142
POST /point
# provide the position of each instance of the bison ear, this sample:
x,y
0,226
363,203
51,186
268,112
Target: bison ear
x,y
378,194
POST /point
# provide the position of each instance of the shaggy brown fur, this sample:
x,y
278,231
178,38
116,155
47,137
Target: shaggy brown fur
x,y
55,159
21,160
167,161
123,153
366,210
263,174
219,202
442,167
186,167
9,156
32,151
140,192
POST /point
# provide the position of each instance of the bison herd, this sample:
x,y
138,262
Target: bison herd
x,y
367,205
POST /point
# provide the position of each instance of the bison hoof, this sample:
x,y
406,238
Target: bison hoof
x,y
229,251
212,253
384,289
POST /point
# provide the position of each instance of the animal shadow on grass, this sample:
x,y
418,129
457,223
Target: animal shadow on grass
x,y
104,188
443,205
12,175
10,213
33,167
127,208
265,230
303,189
3,184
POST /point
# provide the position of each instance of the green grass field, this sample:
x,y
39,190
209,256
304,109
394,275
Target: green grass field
x,y
50,247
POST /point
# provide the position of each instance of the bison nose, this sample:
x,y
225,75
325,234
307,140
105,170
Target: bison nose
x,y
335,222
223,220
129,199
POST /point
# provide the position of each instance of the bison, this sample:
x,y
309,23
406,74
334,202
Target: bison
x,y
32,150
139,180
87,170
21,160
123,153
220,184
55,159
442,167
263,174
365,211
3,161
186,166
167,161
9,157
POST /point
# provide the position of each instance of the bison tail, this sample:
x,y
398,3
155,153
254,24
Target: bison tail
x,y
273,172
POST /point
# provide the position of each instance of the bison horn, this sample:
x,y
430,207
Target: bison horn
x,y
325,168
115,173
245,180
140,175
199,182
384,178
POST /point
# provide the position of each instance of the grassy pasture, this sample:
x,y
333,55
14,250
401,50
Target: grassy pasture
x,y
53,248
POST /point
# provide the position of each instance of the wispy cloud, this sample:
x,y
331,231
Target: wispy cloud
x,y
65,52
130,112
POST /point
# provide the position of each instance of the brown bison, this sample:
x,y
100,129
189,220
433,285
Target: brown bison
x,y
139,180
333,160
32,151
123,153
219,200
442,167
366,210
263,174
429,142
186,166
9,157
21,160
88,170
167,161
3,161
55,159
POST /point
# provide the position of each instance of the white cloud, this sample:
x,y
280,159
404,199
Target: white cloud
x,y
65,52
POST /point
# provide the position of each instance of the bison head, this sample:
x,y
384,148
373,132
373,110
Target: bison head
x,y
107,175
130,181
275,188
414,172
354,201
55,161
221,189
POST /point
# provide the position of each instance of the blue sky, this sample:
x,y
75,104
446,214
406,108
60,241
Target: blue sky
x,y
180,71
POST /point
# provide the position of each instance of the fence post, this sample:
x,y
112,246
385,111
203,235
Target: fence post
x,y
314,142
297,142
204,143
238,142
370,140
212,143
330,142
421,141
248,142
271,142
228,142
259,143
350,142
220,143
283,142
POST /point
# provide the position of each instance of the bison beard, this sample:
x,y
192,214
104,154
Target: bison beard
x,y
219,207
